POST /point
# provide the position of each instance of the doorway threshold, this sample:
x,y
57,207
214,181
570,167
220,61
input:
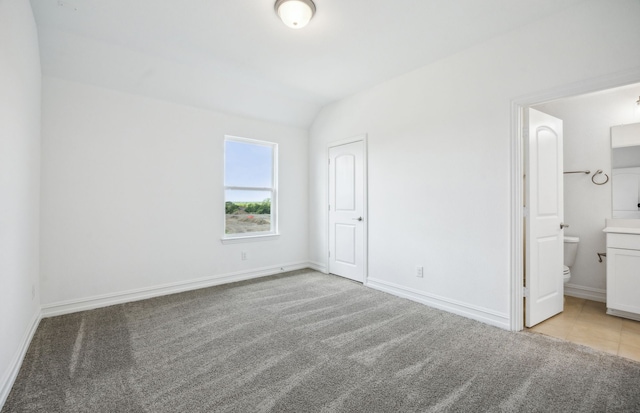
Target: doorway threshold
x,y
586,322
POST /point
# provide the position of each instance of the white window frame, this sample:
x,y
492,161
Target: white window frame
x,y
253,236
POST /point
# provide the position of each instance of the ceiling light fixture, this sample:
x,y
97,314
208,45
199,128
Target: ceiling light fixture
x,y
295,13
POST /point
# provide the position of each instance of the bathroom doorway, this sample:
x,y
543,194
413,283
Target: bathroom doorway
x,y
588,193
592,147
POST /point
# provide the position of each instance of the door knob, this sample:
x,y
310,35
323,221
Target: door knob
x,y
563,226
357,219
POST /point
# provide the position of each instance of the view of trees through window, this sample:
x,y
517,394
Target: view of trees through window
x,y
249,186
244,217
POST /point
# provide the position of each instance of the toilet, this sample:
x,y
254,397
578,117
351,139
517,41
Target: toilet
x,y
570,250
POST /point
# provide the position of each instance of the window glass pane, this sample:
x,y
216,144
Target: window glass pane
x,y
247,211
248,165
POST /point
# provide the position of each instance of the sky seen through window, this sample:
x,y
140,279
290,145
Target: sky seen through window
x,y
248,165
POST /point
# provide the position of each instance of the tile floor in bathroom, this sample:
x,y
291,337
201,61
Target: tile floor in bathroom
x,y
586,322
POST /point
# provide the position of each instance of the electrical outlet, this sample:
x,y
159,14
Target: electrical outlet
x,y
420,272
243,256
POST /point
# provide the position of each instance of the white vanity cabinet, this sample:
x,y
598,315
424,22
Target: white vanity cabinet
x,y
623,272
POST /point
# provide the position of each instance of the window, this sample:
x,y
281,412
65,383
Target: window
x,y
250,182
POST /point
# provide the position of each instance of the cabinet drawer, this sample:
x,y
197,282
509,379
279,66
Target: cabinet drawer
x,y
626,241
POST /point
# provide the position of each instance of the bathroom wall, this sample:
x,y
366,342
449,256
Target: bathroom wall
x,y
587,146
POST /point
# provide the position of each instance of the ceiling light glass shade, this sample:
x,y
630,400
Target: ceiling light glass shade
x,y
295,13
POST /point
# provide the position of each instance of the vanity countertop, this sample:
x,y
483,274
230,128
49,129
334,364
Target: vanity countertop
x,y
622,226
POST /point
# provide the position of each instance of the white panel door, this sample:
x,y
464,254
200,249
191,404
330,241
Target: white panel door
x,y
347,210
545,238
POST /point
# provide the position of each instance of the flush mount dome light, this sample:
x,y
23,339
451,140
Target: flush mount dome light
x,y
295,13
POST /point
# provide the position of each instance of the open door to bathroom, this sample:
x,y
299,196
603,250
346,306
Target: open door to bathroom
x,y
544,296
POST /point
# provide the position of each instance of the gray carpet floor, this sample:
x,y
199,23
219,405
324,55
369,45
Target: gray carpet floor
x,y
307,342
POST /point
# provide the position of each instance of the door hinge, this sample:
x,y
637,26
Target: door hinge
x,y
525,292
525,211
329,161
329,207
329,254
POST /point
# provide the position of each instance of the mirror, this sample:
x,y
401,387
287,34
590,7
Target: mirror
x,y
625,164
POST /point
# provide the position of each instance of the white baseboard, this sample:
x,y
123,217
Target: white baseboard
x,y
12,372
484,315
90,303
318,267
588,293
623,314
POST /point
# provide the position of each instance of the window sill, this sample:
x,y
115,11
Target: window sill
x,y
250,238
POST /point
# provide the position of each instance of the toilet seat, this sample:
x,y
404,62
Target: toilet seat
x,y
566,273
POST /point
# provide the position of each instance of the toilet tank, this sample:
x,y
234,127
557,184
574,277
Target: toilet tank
x,y
570,250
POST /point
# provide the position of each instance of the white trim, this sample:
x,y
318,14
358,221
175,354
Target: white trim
x,y
517,220
274,185
105,300
588,293
365,213
484,315
623,314
318,267
365,161
346,141
251,238
608,81
9,378
252,141
248,188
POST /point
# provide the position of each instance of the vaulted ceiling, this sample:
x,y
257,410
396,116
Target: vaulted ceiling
x,y
237,57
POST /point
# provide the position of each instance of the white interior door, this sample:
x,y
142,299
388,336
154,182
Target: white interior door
x,y
347,209
545,236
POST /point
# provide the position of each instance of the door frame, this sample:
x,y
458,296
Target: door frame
x,y
365,210
518,105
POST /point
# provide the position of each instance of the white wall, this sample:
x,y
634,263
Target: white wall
x,y
19,185
439,154
587,122
132,195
